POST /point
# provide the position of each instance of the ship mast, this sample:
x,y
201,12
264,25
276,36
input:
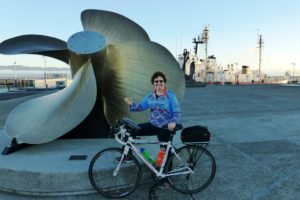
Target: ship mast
x,y
205,40
197,41
260,46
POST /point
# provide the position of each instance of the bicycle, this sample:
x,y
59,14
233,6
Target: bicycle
x,y
188,169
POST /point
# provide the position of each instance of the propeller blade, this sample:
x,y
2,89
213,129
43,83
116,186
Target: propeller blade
x,y
115,27
126,70
36,44
46,118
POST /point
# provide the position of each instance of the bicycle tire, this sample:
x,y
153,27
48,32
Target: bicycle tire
x,y
101,176
200,160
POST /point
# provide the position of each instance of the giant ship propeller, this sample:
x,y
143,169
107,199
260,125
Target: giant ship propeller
x,y
112,58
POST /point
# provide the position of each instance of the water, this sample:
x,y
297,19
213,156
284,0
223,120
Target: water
x,y
3,89
30,74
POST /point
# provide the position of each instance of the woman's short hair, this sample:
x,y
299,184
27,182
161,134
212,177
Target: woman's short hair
x,y
157,74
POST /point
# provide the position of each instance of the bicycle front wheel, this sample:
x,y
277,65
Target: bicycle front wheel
x,y
111,182
195,158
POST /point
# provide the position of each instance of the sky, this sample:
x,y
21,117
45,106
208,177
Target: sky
x,y
234,26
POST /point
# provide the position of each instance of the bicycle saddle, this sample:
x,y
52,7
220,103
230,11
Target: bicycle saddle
x,y
130,123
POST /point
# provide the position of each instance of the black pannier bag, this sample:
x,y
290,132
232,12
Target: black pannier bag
x,y
195,134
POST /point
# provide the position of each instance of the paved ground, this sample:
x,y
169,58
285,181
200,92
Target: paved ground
x,y
256,143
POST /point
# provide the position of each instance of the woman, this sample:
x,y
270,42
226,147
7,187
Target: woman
x,y
165,110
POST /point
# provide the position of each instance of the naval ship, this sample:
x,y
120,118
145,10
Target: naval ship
x,y
207,70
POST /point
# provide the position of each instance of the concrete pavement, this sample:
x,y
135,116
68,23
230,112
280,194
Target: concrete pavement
x,y
255,142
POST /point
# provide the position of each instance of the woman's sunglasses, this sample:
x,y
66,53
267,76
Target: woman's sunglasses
x,y
160,81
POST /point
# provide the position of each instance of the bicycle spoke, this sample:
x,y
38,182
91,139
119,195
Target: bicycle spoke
x,y
202,165
101,173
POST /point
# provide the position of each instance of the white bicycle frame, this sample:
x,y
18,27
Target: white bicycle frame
x,y
158,172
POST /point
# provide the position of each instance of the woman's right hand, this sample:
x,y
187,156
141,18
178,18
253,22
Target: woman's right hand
x,y
128,100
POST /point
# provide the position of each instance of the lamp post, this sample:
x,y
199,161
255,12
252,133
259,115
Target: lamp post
x,y
293,64
45,76
15,73
66,76
15,66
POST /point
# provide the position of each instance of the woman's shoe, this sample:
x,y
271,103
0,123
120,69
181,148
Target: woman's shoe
x,y
127,159
163,185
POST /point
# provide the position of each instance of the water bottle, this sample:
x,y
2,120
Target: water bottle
x,y
147,155
160,157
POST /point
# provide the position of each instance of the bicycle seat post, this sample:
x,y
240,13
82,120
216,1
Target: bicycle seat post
x,y
173,132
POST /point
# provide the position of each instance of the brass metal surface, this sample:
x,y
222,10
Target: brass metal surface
x,y
36,44
101,80
46,118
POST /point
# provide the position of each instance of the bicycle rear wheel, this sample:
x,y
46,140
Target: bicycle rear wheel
x,y
101,173
199,160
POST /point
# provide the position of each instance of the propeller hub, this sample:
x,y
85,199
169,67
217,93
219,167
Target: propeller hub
x,y
86,43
